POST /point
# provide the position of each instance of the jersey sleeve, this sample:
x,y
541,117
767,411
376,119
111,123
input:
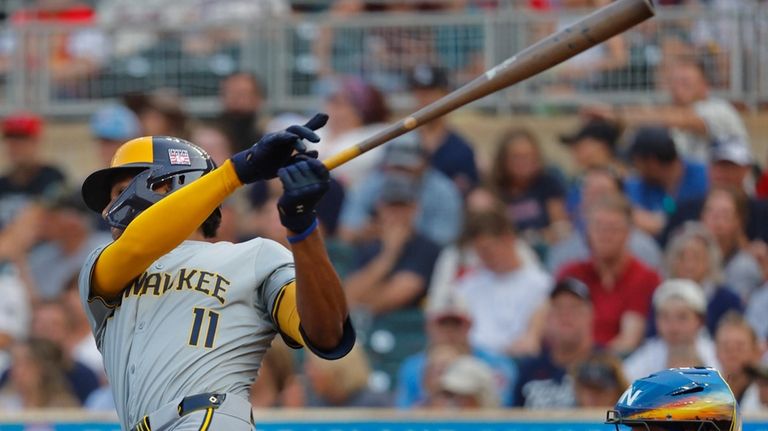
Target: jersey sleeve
x,y
96,308
277,296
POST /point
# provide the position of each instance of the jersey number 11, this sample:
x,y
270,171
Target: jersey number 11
x,y
213,322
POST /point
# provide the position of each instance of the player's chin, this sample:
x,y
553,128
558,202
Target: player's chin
x,y
116,233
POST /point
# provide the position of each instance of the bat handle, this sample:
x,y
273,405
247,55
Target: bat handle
x,y
342,157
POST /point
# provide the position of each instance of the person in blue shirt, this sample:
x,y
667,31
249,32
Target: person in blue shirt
x,y
449,152
440,213
662,180
448,324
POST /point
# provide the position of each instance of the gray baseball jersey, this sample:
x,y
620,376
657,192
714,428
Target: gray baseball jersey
x,y
199,319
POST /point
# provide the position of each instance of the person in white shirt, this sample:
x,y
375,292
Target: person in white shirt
x,y
14,312
505,298
697,119
680,307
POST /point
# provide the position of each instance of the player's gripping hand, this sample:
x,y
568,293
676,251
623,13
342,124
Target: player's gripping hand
x,y
274,150
305,181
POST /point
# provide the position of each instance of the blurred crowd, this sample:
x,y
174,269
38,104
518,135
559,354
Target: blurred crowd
x,y
513,283
102,49
509,283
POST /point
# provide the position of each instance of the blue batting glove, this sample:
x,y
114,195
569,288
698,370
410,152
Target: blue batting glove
x,y
305,181
274,150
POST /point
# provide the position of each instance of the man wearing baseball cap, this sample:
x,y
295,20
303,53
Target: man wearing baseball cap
x,y
730,164
449,152
680,309
27,176
544,381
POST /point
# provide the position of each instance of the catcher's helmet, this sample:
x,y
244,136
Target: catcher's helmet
x,y
678,399
154,160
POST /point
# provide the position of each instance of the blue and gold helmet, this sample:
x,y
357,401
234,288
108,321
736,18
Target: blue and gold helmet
x,y
678,399
153,160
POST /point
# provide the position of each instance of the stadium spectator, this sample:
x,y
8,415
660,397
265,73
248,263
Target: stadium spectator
x,y
73,49
467,383
262,218
693,254
449,152
544,381
214,140
277,385
620,285
590,69
161,113
242,101
663,179
217,144
341,383
448,324
37,378
758,301
14,312
729,166
535,198
459,259
393,268
505,298
725,215
599,381
80,341
439,202
111,126
760,374
27,176
681,309
51,322
695,117
438,358
356,110
594,145
68,238
596,183
738,349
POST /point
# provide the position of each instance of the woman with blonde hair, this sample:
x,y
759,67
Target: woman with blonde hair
x,y
37,379
693,254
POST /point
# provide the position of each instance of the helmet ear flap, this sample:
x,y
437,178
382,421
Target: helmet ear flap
x,y
137,197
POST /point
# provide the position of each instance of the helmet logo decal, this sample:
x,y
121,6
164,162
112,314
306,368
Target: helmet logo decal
x,y
179,157
630,395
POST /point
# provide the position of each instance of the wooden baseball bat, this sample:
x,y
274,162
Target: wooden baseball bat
x,y
595,28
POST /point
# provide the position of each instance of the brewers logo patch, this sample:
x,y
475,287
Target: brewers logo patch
x,y
179,157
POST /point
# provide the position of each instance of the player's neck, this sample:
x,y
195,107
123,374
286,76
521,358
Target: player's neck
x,y
196,236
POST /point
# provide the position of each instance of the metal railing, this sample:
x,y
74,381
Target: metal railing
x,y
70,70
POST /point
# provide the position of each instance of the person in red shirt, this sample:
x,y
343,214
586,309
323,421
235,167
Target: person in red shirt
x,y
620,285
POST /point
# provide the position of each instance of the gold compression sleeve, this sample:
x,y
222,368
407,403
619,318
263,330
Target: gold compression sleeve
x,y
160,228
286,315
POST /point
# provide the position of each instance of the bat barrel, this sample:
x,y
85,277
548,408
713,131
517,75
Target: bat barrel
x,y
591,30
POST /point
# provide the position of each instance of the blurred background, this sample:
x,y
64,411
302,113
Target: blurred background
x,y
543,246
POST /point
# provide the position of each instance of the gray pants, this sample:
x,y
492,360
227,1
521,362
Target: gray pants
x,y
233,414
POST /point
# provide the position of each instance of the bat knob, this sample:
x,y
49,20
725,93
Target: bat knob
x,y
318,121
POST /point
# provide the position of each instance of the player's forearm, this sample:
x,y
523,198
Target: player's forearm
x,y
161,228
320,298
678,117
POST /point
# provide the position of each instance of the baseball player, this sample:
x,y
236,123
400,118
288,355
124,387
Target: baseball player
x,y
678,399
182,323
